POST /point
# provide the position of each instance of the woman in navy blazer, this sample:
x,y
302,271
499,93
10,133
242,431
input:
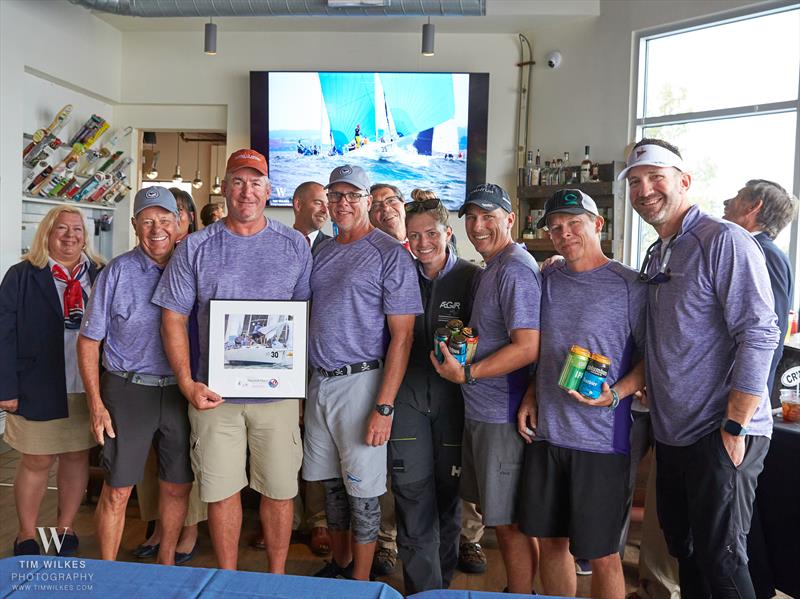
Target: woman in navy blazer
x,y
41,306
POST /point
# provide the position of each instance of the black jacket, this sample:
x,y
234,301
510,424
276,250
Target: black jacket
x,y
444,298
32,342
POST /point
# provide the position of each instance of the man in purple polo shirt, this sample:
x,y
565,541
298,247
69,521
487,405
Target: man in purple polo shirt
x,y
243,256
575,477
505,315
137,402
366,297
711,333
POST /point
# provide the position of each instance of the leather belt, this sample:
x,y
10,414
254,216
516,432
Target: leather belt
x,y
352,368
148,380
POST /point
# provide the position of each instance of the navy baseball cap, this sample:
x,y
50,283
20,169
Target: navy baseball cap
x,y
154,196
487,196
348,173
571,201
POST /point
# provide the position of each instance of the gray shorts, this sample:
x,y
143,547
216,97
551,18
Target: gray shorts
x,y
491,463
143,416
337,411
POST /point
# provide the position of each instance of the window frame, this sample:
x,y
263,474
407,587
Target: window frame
x,y
633,223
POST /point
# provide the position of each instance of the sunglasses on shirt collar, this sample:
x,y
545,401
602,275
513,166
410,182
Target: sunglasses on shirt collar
x,y
664,273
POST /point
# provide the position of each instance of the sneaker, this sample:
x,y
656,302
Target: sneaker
x,y
27,547
384,561
334,570
583,567
471,558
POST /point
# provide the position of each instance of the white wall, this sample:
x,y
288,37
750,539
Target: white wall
x,y
53,40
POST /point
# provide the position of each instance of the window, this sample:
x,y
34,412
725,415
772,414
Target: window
x,y
726,93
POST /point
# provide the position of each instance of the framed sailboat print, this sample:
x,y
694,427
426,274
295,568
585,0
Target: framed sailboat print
x,y
257,349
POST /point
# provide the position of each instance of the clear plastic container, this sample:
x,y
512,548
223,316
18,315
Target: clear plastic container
x,y
790,405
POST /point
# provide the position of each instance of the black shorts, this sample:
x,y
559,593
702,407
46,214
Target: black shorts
x,y
575,494
144,416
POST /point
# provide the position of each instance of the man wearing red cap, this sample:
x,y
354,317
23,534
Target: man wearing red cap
x,y
243,256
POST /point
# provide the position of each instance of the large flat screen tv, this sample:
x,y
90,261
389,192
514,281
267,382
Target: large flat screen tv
x,y
424,130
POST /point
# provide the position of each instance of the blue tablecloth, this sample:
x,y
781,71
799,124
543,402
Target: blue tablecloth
x,y
42,576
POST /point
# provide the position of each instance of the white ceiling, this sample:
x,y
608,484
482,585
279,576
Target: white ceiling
x,y
502,16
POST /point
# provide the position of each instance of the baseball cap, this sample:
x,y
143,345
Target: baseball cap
x,y
489,197
571,201
154,196
247,158
652,155
348,173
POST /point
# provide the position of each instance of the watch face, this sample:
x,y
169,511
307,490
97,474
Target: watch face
x,y
384,409
733,428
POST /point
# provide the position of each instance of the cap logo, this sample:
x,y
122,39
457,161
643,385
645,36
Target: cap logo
x,y
639,152
571,199
152,193
345,170
248,156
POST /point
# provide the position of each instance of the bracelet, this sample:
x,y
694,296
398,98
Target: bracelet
x,y
614,400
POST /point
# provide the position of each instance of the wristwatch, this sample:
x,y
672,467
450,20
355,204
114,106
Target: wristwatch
x,y
468,378
384,409
733,428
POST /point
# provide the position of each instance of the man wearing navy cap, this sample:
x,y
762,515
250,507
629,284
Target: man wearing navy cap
x,y
711,334
505,315
575,476
136,403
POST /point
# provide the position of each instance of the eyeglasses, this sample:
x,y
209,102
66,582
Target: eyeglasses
x,y
352,197
388,201
422,205
664,274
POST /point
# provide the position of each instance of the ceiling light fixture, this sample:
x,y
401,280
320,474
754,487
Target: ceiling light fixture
x,y
428,32
150,138
177,178
216,189
198,182
210,38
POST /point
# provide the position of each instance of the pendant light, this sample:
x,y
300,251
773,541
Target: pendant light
x,y
428,32
177,178
198,182
150,138
216,189
210,38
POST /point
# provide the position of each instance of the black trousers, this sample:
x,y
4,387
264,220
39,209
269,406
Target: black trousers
x,y
425,465
705,505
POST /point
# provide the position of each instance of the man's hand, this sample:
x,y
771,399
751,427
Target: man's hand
x,y
451,369
604,400
201,397
527,415
641,397
100,423
552,262
734,446
9,405
378,429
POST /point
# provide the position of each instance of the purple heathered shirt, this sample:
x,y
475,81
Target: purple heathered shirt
x,y
355,286
120,312
507,297
214,263
710,328
602,310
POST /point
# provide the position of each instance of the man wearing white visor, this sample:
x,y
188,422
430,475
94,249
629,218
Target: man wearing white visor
x,y
711,332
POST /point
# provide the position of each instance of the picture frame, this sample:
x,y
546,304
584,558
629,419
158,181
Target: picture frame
x,y
258,349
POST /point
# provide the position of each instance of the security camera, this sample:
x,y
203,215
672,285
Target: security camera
x,y
554,60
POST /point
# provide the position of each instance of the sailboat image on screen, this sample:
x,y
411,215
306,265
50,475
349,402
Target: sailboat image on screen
x,y
259,340
391,116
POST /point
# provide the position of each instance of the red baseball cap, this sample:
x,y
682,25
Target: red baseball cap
x,y
247,158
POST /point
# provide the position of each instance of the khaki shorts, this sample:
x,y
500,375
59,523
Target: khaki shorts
x,y
51,437
221,437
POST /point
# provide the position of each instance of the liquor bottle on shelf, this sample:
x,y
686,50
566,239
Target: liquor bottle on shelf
x,y
528,232
528,177
560,172
586,167
537,169
553,178
544,176
569,172
595,172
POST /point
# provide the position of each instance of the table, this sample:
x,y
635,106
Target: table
x,y
44,576
774,543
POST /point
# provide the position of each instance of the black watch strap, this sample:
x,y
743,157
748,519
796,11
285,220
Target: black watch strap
x,y
384,409
468,378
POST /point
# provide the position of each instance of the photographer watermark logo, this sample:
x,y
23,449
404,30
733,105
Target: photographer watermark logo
x,y
52,538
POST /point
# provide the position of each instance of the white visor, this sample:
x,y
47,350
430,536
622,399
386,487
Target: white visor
x,y
652,155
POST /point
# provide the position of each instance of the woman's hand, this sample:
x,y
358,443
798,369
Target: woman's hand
x,y
9,405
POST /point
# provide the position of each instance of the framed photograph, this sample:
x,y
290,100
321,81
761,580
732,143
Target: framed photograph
x,y
258,349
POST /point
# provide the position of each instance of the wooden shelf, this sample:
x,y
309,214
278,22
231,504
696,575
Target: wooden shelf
x,y
55,202
596,189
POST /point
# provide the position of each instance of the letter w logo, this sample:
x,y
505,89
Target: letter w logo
x,y
54,538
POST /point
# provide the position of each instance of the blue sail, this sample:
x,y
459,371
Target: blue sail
x,y
350,104
418,101
424,142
